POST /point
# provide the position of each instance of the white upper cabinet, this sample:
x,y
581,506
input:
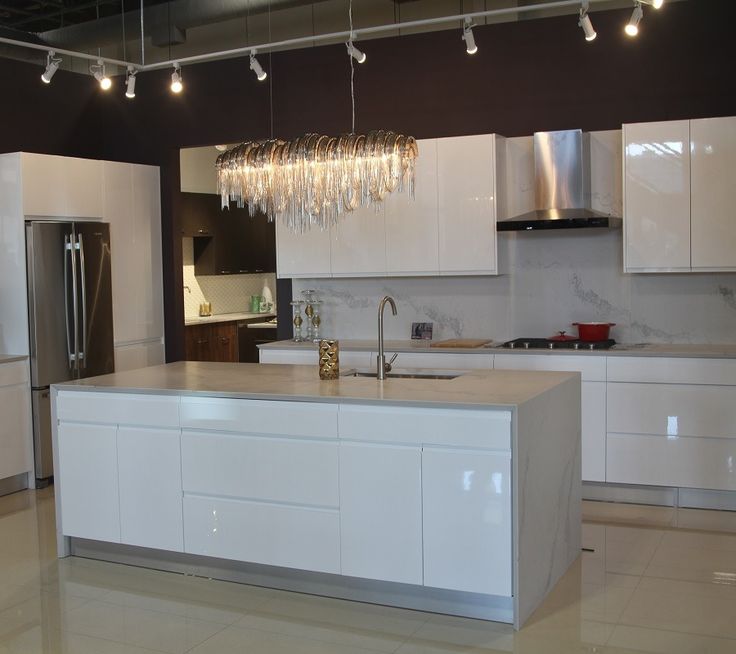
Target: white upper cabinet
x,y
132,207
359,243
467,204
61,186
302,255
713,176
412,239
657,196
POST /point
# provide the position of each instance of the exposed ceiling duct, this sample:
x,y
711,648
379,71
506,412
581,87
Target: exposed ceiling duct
x,y
165,23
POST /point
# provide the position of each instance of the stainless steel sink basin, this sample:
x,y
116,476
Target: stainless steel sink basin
x,y
404,374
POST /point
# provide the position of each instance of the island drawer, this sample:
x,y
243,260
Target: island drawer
x,y
264,417
291,470
478,428
118,408
673,370
13,372
269,534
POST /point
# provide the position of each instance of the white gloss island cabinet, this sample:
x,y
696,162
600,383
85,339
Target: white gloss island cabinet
x,y
410,505
678,213
16,444
127,196
447,228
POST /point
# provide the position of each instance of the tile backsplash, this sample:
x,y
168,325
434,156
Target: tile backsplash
x,y
227,293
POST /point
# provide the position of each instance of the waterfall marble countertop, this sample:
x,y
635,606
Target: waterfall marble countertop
x,y
258,381
8,358
705,351
226,317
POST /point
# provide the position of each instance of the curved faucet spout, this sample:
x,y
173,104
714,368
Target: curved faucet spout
x,y
381,360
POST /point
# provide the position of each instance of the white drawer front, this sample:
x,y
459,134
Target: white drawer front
x,y
14,372
272,469
310,419
591,367
310,357
663,461
118,408
271,534
672,371
489,429
447,360
672,410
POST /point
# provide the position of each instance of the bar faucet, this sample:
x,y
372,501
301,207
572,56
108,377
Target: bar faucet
x,y
381,366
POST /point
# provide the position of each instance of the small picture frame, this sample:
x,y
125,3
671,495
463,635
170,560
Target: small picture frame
x,y
421,331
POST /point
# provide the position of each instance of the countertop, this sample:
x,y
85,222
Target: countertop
x,y
709,351
477,388
262,325
8,358
226,317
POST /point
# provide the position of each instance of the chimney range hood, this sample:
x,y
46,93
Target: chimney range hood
x,y
561,186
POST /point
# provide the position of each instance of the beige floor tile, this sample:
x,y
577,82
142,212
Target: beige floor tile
x,y
237,640
693,564
724,521
698,539
37,640
657,641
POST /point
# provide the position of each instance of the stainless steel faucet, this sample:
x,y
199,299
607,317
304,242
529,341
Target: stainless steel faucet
x,y
381,366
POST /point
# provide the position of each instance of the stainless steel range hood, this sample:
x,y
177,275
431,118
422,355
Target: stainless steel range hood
x,y
562,186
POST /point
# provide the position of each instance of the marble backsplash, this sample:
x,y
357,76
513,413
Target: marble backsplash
x,y
552,280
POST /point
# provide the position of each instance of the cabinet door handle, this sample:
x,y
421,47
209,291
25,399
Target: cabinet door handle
x,y
224,272
243,271
202,341
258,270
223,339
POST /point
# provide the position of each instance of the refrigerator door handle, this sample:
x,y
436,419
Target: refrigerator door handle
x,y
75,302
83,282
68,250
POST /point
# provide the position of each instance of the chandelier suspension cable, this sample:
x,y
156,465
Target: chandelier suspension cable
x,y
352,67
270,69
143,42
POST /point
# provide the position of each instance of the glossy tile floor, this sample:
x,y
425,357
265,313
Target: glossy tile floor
x,y
646,587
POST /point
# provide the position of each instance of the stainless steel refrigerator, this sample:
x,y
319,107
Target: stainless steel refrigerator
x,y
70,315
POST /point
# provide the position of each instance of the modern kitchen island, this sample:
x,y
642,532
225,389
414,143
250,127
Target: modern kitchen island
x,y
459,496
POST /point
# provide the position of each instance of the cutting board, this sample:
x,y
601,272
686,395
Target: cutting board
x,y
462,342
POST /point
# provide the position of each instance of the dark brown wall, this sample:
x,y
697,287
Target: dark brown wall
x,y
526,76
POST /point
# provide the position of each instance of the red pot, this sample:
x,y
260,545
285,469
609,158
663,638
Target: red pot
x,y
594,331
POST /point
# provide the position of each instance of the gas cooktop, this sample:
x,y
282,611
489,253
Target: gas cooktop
x,y
551,344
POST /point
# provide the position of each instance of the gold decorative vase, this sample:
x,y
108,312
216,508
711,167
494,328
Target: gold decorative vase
x,y
329,359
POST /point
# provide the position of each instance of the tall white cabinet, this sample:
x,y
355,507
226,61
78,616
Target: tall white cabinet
x,y
678,211
127,196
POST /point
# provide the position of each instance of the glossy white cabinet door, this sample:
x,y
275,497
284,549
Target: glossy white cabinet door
x,y
657,196
16,450
713,177
259,532
149,473
467,520
88,481
412,235
302,255
467,204
61,186
359,243
593,428
381,512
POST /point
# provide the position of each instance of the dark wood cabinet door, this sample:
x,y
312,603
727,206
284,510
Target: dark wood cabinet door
x,y
198,343
197,213
226,341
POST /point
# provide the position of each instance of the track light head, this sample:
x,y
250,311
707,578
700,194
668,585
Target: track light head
x,y
176,82
585,23
98,70
52,65
356,54
130,83
256,67
656,4
470,46
632,27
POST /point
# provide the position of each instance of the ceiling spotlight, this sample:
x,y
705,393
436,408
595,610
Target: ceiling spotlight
x,y
657,4
585,23
98,71
130,82
356,54
52,65
632,28
257,68
468,37
176,83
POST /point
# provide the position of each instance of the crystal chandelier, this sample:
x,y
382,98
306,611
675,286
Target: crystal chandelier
x,y
314,179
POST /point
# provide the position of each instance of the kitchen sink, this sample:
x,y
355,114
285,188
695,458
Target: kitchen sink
x,y
405,374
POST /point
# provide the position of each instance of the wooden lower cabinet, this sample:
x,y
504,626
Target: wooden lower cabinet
x,y
212,342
